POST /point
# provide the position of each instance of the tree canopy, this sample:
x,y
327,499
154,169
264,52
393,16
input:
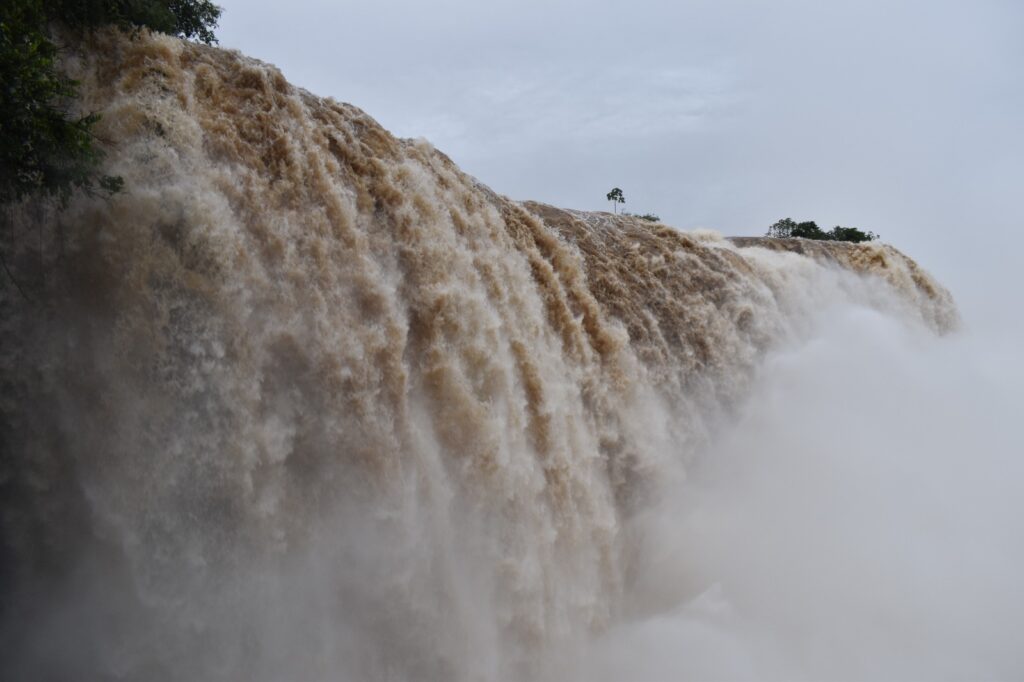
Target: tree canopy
x,y
192,19
787,227
45,147
616,197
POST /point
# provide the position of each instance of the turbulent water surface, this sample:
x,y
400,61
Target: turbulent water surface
x,y
307,402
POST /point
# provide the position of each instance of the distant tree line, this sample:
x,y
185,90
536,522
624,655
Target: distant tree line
x,y
787,227
649,217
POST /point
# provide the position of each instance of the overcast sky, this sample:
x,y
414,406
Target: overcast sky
x,y
904,117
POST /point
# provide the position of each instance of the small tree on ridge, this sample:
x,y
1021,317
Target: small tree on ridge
x,y
616,197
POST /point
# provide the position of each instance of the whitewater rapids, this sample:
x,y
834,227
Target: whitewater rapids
x,y
308,402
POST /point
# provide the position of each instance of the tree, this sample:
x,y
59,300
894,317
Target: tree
x,y
616,197
808,230
43,146
190,19
781,229
851,234
787,227
46,148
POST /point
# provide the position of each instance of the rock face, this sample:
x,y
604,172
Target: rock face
x,y
306,401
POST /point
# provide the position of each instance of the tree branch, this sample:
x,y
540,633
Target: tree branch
x,y
10,276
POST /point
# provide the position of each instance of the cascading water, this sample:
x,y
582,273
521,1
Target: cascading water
x,y
307,402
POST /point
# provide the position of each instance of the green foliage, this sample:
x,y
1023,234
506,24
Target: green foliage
x,y
851,234
616,197
192,19
650,217
45,148
787,227
808,230
781,229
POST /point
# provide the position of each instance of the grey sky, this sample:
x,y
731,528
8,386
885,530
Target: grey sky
x,y
903,117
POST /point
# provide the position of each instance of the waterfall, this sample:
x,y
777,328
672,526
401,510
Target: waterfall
x,y
306,401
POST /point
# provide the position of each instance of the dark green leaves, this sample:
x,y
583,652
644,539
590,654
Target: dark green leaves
x,y
46,149
787,227
192,19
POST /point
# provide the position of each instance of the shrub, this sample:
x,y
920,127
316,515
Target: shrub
x,y
787,227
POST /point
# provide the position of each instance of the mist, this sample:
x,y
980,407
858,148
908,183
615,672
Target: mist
x,y
861,520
